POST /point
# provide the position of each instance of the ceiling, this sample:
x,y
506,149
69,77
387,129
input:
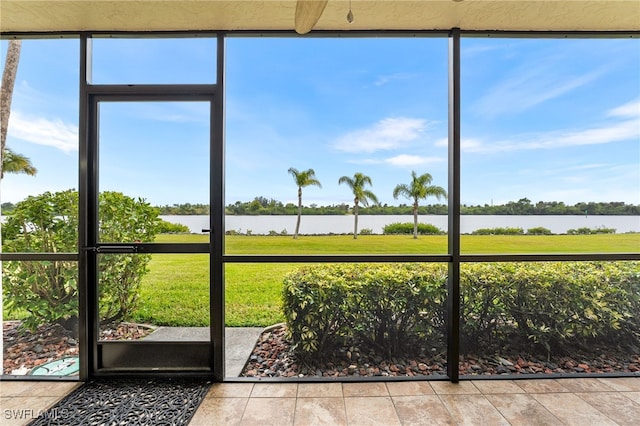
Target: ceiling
x,y
173,15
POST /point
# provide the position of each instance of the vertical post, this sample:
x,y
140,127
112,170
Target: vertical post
x,y
86,290
216,264
453,285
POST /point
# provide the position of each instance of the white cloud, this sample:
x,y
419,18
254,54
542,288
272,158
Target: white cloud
x,y
630,109
623,131
528,89
411,160
43,131
620,131
386,134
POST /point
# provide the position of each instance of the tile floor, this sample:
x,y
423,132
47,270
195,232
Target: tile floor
x,y
584,402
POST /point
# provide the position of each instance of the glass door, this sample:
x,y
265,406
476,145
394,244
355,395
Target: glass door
x,y
149,245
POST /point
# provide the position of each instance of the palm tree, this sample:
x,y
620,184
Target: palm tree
x,y
8,82
304,178
357,184
16,163
419,189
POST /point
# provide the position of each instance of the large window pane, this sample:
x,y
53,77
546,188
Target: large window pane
x,y
550,142
339,107
340,320
39,210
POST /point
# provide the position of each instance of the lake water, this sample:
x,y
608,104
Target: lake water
x,y
344,224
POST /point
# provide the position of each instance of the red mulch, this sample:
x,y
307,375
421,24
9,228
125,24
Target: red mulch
x,y
272,357
24,350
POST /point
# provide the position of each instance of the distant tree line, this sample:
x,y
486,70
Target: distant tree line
x,y
270,206
524,206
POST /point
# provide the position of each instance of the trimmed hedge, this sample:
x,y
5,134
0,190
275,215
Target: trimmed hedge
x,y
388,307
589,231
399,308
165,227
539,231
398,228
498,231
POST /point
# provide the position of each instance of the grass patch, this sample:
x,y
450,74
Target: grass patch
x,y
176,289
175,292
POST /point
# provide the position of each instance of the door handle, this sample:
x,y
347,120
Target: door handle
x,y
115,249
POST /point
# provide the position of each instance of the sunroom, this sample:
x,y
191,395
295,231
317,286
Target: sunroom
x,y
125,106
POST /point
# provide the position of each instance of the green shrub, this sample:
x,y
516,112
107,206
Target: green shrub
x,y
554,305
539,231
589,231
407,229
386,307
393,309
498,231
603,230
165,227
366,231
48,290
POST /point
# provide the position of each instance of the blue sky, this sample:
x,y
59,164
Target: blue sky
x,y
550,120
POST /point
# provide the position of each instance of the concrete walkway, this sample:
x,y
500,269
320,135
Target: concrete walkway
x,y
239,342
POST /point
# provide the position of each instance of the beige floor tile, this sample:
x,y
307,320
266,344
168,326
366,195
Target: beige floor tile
x,y
541,386
585,385
365,389
59,389
473,410
497,386
622,384
448,388
375,411
274,390
522,409
320,411
572,410
230,390
422,410
225,411
15,388
269,411
319,390
20,410
615,406
634,396
409,388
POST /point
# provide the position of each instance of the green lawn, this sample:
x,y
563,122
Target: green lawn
x,y
175,291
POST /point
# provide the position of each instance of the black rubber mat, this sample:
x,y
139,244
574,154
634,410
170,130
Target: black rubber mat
x,y
128,402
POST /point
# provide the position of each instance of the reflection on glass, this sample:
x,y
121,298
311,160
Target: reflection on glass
x,y
340,320
154,296
40,331
549,318
323,109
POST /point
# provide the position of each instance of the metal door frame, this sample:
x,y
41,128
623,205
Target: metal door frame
x,y
124,357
